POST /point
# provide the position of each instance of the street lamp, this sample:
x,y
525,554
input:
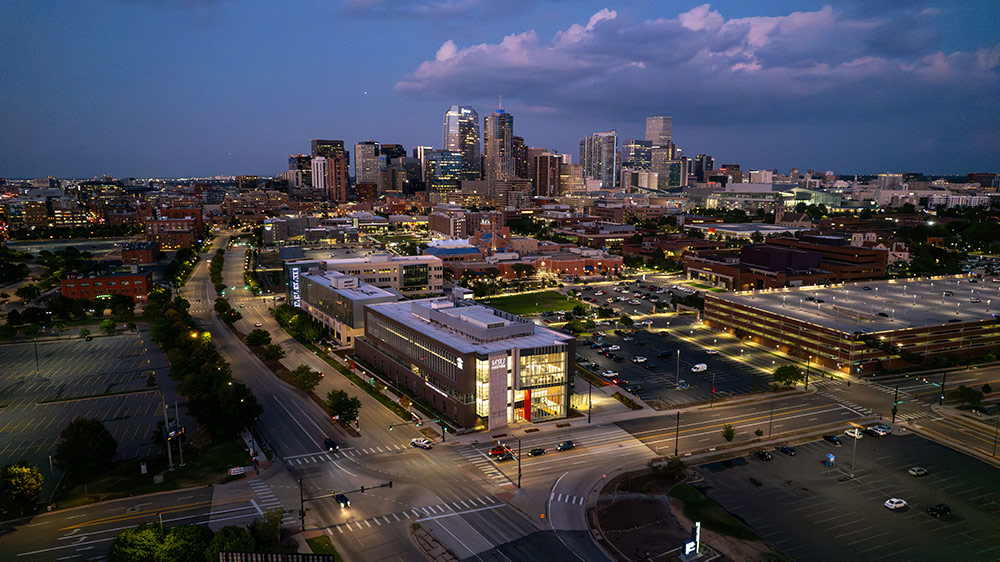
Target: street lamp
x,y
809,360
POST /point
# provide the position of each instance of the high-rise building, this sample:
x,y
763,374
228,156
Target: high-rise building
x,y
319,175
327,148
637,154
520,153
461,134
599,157
246,183
444,174
391,151
703,164
335,182
498,145
420,153
548,171
366,163
658,130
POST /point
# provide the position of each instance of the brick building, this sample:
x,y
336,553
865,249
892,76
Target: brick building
x,y
135,285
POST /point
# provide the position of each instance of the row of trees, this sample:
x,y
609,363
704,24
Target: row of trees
x,y
226,311
70,232
298,323
149,543
215,270
219,403
179,267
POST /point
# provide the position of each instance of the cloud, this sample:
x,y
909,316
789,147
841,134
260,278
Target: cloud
x,y
804,66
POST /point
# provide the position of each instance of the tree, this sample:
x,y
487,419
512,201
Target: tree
x,y
140,543
675,467
229,539
185,542
305,378
405,402
28,292
273,352
728,433
222,306
20,486
343,407
580,310
987,389
266,531
86,449
625,320
967,395
84,332
258,337
108,326
788,375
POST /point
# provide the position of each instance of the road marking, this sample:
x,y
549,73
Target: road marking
x,y
257,507
396,516
376,522
452,514
366,523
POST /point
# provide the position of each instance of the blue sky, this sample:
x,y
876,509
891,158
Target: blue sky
x,y
204,87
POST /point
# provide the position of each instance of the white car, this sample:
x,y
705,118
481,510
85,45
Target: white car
x,y
854,432
258,324
615,348
712,351
609,374
421,442
895,503
699,368
639,359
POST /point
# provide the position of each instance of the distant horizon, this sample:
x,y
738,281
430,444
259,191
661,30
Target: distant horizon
x,y
210,87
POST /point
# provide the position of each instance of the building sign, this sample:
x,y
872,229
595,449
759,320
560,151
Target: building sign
x,y
498,390
296,295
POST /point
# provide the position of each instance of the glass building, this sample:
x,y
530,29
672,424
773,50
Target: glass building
x,y
461,134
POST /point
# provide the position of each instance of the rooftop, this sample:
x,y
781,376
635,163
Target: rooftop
x,y
472,328
905,303
347,286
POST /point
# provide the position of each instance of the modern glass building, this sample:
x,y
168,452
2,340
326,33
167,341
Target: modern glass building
x,y
476,365
461,134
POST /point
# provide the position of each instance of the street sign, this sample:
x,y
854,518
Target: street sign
x,y
236,470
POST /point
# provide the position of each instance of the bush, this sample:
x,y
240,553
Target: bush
x,y
86,449
258,337
728,433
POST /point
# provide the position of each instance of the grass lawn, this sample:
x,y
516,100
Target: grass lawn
x,y
707,287
208,466
532,303
697,507
322,545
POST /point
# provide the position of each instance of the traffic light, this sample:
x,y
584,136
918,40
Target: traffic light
x,y
355,423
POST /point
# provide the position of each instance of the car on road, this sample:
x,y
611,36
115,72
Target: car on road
x,y
609,374
881,428
895,503
421,443
330,445
712,351
866,288
343,501
699,368
638,359
832,439
854,432
939,510
763,455
633,388
649,366
619,381
565,446
258,324
917,471
505,456
497,451
982,410
627,338
787,450
536,452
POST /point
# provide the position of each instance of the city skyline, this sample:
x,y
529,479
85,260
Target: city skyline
x,y
204,89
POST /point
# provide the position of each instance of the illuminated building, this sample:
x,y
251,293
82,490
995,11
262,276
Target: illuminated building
x,y
461,134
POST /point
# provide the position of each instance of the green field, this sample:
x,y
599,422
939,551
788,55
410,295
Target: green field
x,y
697,507
532,303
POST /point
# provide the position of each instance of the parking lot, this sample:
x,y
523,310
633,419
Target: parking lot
x,y
812,512
106,378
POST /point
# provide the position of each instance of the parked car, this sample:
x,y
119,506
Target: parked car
x,y
638,359
763,455
663,354
627,338
421,442
536,452
885,429
787,450
939,510
872,432
649,366
609,374
712,351
699,368
343,501
330,445
565,446
917,471
615,348
832,439
895,503
854,432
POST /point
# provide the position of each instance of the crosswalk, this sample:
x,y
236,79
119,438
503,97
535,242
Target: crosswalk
x,y
485,465
566,498
444,509
914,415
311,458
852,406
266,500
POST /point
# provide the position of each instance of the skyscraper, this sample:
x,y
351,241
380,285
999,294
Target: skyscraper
x,y
461,134
599,157
300,164
334,186
319,175
366,164
519,152
658,130
548,171
498,145
637,154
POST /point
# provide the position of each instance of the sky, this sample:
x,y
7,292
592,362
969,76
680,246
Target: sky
x,y
181,88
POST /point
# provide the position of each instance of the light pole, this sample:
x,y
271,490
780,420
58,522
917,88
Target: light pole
x,y
770,418
995,430
677,434
712,401
854,452
518,462
590,388
944,378
677,384
807,371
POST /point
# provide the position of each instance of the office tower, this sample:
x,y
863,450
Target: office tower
x,y
658,130
302,166
327,148
319,175
391,151
548,171
703,164
533,152
444,174
599,157
520,154
498,145
637,154
337,166
246,183
366,164
461,134
420,153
